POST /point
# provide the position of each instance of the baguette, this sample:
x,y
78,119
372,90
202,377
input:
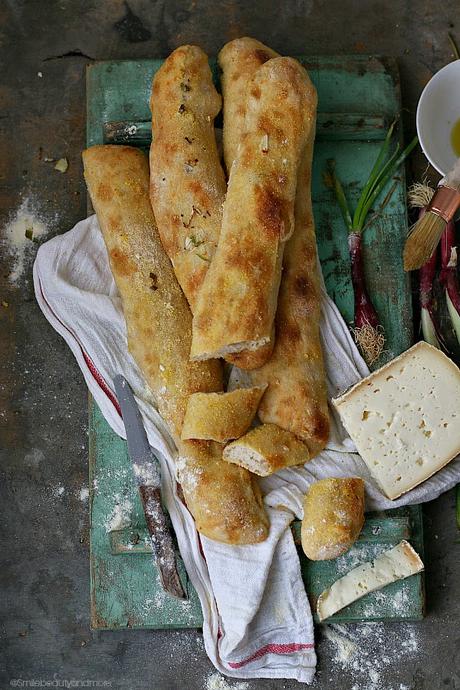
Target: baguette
x,y
333,517
221,416
266,449
224,499
187,183
296,397
158,322
237,302
238,61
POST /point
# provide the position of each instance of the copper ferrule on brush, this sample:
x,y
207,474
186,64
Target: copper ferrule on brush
x,y
445,202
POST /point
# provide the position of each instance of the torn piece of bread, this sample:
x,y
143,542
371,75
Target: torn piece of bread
x,y
158,322
333,517
404,418
187,183
266,449
238,60
396,564
221,416
237,302
296,398
224,499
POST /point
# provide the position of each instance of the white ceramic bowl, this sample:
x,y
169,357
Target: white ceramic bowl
x,y
437,112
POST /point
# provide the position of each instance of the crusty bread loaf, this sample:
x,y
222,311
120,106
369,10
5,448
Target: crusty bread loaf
x,y
238,60
221,416
158,321
266,449
187,183
224,499
296,397
237,302
333,517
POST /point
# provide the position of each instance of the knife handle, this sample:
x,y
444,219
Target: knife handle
x,y
162,543
151,501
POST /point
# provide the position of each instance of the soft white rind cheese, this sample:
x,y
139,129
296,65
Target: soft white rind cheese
x,y
396,564
405,418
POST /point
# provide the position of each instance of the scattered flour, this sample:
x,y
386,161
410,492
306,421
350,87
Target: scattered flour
x,y
121,515
217,682
20,235
367,650
148,475
84,494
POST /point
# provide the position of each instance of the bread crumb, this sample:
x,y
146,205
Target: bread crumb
x,y
62,165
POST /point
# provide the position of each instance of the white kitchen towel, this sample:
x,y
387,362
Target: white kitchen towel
x,y
257,619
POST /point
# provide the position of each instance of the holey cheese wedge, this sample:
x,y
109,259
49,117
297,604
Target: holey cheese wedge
x,y
404,418
396,564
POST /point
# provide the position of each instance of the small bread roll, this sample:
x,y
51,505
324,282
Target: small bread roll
x,y
333,517
221,416
266,449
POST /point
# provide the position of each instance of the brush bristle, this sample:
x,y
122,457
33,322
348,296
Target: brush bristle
x,y
423,240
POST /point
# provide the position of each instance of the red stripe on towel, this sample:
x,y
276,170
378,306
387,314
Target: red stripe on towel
x,y
272,649
101,382
95,373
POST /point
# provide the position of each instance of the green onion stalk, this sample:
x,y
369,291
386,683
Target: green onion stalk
x,y
368,331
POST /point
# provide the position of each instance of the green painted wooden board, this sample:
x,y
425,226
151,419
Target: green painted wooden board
x,y
358,98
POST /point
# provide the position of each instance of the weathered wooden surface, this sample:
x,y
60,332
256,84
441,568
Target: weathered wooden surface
x,y
350,91
43,429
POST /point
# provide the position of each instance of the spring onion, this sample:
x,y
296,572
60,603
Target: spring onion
x,y
419,196
449,276
368,331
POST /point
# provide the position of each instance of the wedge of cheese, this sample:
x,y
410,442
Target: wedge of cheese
x,y
404,418
396,564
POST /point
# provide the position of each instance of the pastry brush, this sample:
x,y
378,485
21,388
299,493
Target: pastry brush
x,y
426,233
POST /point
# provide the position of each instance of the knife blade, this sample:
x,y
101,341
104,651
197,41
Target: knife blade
x,y
146,470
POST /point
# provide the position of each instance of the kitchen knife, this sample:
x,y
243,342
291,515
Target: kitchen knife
x,y
147,473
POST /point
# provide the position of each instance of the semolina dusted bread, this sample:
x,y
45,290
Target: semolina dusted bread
x,y
266,449
187,182
221,416
333,517
236,305
224,500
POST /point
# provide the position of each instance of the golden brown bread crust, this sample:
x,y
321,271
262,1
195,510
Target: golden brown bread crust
x,y
296,398
187,183
266,449
158,321
237,302
224,499
333,517
221,416
238,60
158,318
